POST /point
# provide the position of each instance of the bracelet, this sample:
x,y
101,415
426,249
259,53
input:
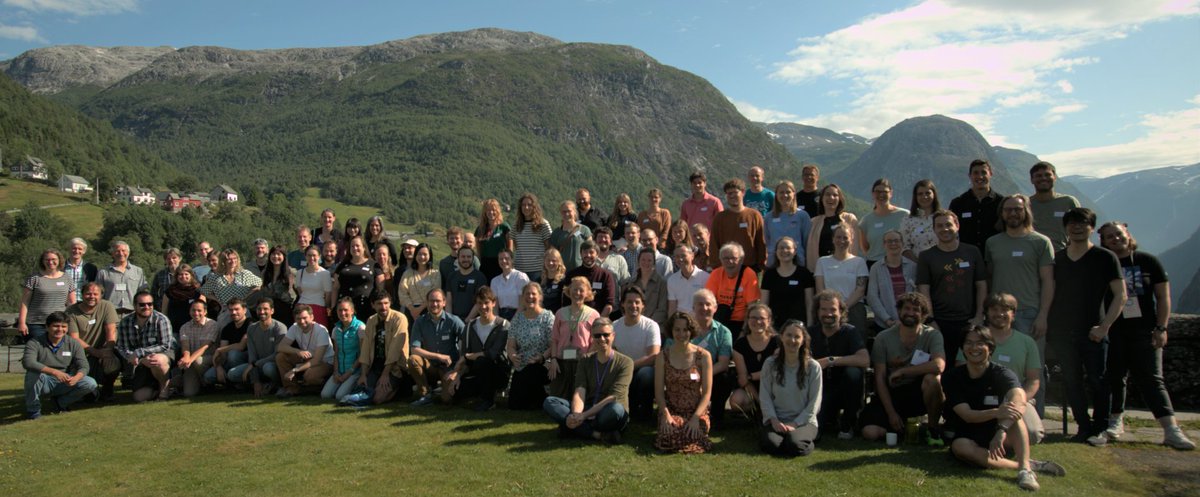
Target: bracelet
x,y
1160,329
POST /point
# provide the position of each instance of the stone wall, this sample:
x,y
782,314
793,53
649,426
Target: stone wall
x,y
1181,364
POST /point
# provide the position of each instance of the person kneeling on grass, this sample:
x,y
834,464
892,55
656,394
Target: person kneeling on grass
x,y
262,341
347,336
909,359
383,355
305,354
145,340
56,366
990,401
790,394
599,407
482,370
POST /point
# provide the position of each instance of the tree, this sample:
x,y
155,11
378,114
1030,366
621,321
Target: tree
x,y
184,183
34,222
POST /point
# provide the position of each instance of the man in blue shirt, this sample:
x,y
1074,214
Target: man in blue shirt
x,y
435,339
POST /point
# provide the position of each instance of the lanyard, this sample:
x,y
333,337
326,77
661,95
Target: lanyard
x,y
600,377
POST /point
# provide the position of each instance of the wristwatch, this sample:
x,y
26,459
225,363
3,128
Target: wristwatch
x,y
1160,329
832,359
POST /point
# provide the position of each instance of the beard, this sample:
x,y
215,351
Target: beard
x,y
909,320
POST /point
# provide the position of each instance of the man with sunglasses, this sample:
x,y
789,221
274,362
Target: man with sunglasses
x,y
145,341
599,407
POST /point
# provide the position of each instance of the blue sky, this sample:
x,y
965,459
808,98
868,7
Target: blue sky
x,y
1097,87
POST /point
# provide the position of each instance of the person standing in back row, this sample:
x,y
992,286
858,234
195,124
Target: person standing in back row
x,y
1049,206
809,196
757,196
701,206
740,225
978,209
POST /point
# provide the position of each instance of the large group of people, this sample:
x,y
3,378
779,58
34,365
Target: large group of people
x,y
775,306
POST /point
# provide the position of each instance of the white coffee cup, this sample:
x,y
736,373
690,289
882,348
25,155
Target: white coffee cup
x,y
891,439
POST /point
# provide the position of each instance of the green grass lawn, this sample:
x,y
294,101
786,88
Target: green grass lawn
x,y
225,444
315,204
82,218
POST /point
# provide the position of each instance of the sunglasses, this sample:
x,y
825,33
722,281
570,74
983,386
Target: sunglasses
x,y
145,304
602,335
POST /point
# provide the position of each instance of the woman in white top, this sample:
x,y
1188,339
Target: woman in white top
x,y
507,286
917,228
314,286
846,273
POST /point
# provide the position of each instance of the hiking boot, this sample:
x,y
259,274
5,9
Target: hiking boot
x,y
1174,438
1047,467
1027,480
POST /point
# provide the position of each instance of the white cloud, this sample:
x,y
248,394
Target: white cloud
x,y
76,7
1170,139
1056,113
963,57
759,114
23,33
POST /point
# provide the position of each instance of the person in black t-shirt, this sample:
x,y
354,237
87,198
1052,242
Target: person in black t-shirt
x,y
232,350
841,352
990,401
1083,275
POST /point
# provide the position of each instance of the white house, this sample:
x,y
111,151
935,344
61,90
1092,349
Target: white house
x,y
30,168
74,184
223,193
136,195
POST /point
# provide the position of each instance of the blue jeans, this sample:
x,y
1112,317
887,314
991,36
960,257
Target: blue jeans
x,y
233,359
612,417
36,331
41,384
1083,364
1023,322
268,372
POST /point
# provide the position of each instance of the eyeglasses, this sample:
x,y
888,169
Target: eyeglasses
x,y
145,304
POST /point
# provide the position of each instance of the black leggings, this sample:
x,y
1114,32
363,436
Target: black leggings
x,y
1132,353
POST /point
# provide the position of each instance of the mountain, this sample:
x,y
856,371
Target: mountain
x,y
830,150
1180,261
1160,205
1189,299
71,143
425,128
935,147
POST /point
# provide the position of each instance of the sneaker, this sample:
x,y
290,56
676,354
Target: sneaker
x,y
1027,480
33,415
283,393
1175,438
1098,440
423,401
1116,427
845,435
1047,467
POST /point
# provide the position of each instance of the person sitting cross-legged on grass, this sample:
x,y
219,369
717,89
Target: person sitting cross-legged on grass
x,y
435,341
790,394
481,371
56,366
990,401
305,354
683,389
599,407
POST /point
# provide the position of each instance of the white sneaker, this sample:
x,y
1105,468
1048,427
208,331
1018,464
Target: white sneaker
x,y
1027,480
1116,427
1047,468
845,435
1099,440
1175,438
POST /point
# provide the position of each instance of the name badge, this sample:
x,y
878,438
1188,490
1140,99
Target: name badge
x,y
596,285
1018,253
793,283
1059,214
570,354
694,375
497,234
92,321
966,215
1003,358
646,220
991,400
119,287
66,353
426,282
833,226
776,220
964,264
627,221
1132,309
445,337
60,283
366,268
704,209
471,282
303,264
743,225
920,357
878,225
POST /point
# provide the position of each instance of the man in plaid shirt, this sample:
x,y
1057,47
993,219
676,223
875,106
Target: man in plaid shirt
x,y
144,339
